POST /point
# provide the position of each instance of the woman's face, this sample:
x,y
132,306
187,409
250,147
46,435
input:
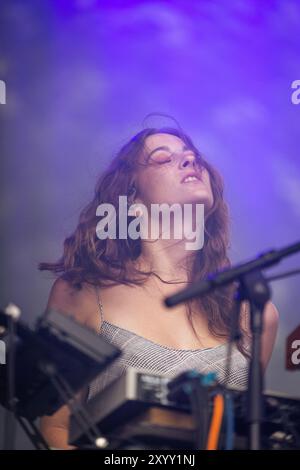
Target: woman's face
x,y
172,174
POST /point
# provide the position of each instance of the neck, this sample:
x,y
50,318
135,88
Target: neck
x,y
167,258
169,252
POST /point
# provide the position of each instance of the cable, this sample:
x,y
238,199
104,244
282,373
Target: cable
x,y
229,413
280,276
216,423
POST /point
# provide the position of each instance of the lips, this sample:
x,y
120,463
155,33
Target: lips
x,y
190,177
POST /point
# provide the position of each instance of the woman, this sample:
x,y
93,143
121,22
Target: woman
x,y
118,285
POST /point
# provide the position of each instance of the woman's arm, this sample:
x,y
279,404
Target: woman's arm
x,y
81,305
270,327
55,429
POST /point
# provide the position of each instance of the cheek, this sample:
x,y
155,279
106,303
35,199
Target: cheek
x,y
147,183
206,179
154,187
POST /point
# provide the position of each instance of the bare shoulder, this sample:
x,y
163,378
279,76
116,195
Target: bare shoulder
x,y
80,303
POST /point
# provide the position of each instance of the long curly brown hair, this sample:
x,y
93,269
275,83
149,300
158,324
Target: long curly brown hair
x,y
87,259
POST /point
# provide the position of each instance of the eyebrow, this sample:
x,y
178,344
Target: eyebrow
x,y
165,147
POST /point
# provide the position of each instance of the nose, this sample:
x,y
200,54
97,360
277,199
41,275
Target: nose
x,y
188,160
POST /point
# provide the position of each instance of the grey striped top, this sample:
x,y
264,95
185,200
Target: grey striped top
x,y
142,353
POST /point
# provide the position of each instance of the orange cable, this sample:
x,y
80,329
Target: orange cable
x,y
216,423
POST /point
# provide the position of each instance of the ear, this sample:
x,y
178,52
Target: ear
x,y
132,191
131,194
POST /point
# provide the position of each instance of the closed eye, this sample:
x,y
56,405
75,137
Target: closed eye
x,y
164,157
161,158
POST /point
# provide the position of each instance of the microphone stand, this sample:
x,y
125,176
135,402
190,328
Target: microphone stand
x,y
254,287
12,313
